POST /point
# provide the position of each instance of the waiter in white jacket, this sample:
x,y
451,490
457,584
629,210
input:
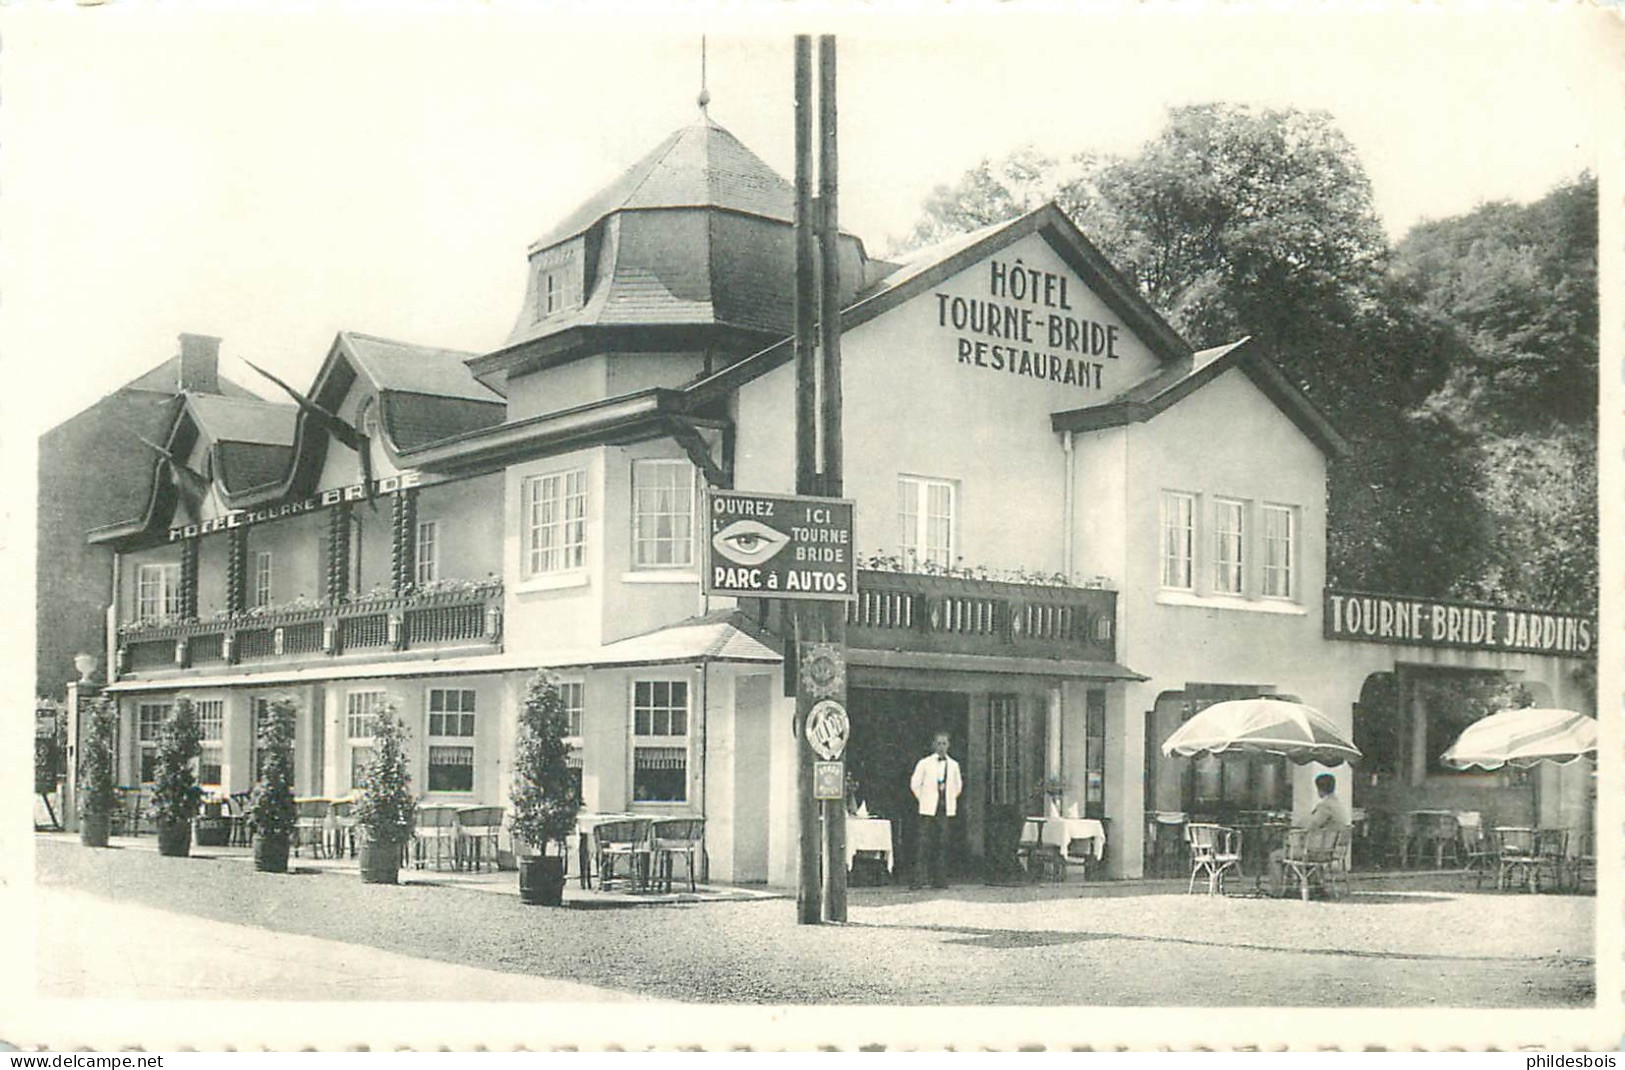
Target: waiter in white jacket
x,y
936,784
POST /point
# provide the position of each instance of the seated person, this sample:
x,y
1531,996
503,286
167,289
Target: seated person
x,y
1324,822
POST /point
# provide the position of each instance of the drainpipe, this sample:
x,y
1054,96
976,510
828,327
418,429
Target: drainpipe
x,y
705,769
1068,521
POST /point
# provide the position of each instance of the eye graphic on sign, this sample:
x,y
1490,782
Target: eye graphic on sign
x,y
748,542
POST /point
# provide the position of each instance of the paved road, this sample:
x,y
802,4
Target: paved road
x,y
96,948
1059,945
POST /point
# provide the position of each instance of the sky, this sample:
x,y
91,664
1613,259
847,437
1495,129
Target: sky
x,y
275,178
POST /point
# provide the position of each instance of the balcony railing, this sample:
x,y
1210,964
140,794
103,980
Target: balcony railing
x,y
947,614
953,615
383,624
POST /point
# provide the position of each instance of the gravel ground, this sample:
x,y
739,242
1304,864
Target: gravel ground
x,y
1070,944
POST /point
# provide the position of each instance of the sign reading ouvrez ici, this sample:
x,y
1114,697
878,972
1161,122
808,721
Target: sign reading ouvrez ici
x,y
779,546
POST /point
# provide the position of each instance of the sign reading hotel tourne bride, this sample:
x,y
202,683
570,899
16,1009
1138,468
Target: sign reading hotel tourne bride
x,y
355,492
1029,323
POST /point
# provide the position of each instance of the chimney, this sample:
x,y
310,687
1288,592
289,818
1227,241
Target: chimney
x,y
200,364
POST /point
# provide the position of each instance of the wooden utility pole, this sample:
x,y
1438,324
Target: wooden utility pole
x,y
809,899
832,614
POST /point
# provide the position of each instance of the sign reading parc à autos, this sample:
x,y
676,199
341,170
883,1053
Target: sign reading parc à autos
x,y
778,546
354,493
1381,618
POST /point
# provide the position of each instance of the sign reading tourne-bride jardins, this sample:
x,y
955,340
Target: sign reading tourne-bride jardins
x,y
1386,618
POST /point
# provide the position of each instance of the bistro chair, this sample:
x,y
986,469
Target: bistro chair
x,y
479,831
310,826
1215,850
1167,840
1583,866
1478,851
342,817
1315,857
435,827
241,833
616,842
677,836
1515,851
1433,832
1551,856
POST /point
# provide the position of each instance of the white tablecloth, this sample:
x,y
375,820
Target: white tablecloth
x,y
1061,831
868,834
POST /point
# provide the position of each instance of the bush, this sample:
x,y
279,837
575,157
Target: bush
x,y
272,814
97,785
176,796
543,794
385,806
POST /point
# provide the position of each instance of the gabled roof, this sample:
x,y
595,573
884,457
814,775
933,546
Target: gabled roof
x,y
932,266
700,165
1159,392
415,369
223,419
165,379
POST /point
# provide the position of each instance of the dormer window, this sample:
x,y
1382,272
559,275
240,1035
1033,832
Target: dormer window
x,y
558,283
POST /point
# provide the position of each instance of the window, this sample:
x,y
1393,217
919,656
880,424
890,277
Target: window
x,y
149,725
660,741
360,711
451,712
211,723
1178,540
662,514
451,768
451,717
1003,749
1094,753
1280,529
571,693
1227,542
558,287
262,578
158,591
428,559
925,515
555,522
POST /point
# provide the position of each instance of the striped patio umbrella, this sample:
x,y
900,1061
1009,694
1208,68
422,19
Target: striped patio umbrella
x,y
1292,730
1523,738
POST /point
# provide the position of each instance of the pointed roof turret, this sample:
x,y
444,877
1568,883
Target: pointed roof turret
x,y
701,165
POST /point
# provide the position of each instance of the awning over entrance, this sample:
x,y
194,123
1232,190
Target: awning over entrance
x,y
986,663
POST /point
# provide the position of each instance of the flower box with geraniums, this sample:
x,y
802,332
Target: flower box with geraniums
x,y
272,814
383,814
176,795
543,794
97,785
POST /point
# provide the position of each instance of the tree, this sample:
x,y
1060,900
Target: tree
x,y
1235,221
176,796
1520,284
543,792
272,813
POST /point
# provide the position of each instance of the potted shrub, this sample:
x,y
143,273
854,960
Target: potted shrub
x,y
175,792
97,786
384,811
543,794
271,814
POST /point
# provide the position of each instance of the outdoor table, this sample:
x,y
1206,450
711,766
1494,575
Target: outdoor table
x,y
868,834
1259,839
1058,834
1430,828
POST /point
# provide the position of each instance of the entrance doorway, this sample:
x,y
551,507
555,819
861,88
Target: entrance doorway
x,y
891,731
